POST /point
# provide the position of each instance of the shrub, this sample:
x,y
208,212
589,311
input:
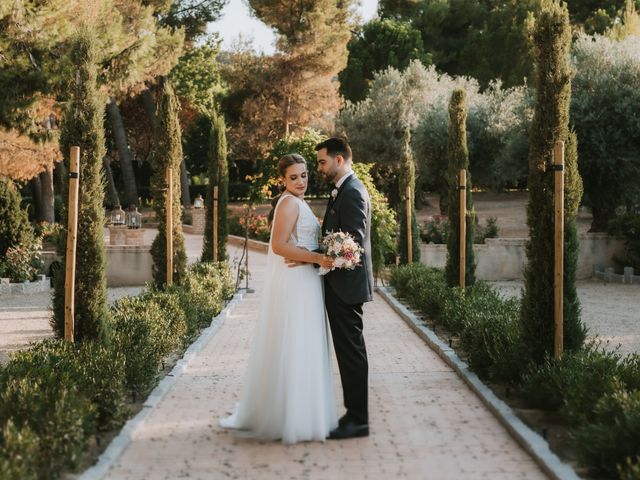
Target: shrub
x,y
47,401
490,230
630,469
169,330
489,331
258,227
206,288
613,436
627,228
15,229
575,382
436,230
22,263
18,452
133,324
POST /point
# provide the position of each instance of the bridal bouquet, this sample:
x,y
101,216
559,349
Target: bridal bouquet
x,y
345,251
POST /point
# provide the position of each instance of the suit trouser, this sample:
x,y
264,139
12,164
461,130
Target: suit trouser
x,y
346,329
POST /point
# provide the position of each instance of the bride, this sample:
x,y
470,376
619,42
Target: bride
x,y
288,392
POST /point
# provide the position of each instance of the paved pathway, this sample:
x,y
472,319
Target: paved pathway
x,y
425,423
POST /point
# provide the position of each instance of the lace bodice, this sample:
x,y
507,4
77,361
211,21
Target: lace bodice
x,y
307,229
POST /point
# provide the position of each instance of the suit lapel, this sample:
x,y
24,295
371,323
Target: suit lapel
x,y
333,201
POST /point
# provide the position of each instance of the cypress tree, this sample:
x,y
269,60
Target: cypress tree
x,y
167,153
458,159
408,179
83,126
218,174
552,43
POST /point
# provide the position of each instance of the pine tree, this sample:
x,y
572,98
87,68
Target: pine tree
x,y
218,175
408,179
83,126
552,43
167,153
458,159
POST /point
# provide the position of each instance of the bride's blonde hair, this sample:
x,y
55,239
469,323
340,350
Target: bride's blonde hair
x,y
285,162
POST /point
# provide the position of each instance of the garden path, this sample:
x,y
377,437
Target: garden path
x,y
425,422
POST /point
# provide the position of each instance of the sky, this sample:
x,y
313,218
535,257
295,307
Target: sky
x,y
236,24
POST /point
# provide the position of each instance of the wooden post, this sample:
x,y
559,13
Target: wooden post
x,y
169,225
409,239
246,246
558,277
215,223
463,226
72,236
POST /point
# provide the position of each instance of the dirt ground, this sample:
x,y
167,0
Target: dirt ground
x,y
509,208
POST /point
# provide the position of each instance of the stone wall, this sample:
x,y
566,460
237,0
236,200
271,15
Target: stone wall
x,y
505,258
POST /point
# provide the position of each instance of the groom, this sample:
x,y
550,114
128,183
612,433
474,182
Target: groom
x,y
349,210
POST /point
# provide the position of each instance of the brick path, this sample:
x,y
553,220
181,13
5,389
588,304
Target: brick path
x,y
425,423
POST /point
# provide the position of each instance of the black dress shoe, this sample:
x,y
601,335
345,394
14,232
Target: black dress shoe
x,y
349,429
344,419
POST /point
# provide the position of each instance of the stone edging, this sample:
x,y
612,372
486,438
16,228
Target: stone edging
x,y
529,440
120,443
43,284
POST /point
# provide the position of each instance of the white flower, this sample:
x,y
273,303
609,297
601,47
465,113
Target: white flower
x,y
334,193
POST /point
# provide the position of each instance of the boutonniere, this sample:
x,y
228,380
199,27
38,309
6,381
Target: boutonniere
x,y
334,193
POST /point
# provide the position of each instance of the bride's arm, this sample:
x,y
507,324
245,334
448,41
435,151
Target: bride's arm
x,y
283,226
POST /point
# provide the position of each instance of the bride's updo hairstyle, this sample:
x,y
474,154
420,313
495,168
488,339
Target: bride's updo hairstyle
x,y
284,163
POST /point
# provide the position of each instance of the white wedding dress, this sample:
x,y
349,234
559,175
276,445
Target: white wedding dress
x,y
288,392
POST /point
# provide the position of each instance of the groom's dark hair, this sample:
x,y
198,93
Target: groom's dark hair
x,y
336,146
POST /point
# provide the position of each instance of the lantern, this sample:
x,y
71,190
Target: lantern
x,y
134,218
117,216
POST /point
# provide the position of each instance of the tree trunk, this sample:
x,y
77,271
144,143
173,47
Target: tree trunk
x,y
113,198
47,211
601,218
36,195
184,185
149,103
126,158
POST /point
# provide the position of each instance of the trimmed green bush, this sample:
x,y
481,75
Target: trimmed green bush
x,y
577,381
133,334
613,435
19,448
206,288
36,396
